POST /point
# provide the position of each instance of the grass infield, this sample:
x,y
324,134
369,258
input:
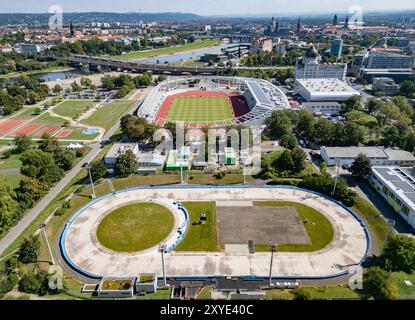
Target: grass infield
x,y
135,227
200,109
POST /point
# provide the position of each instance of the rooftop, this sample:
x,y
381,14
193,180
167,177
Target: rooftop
x,y
401,181
326,85
120,148
370,152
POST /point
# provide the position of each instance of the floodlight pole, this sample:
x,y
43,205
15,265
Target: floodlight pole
x,y
42,228
391,224
337,178
181,173
92,182
161,249
273,247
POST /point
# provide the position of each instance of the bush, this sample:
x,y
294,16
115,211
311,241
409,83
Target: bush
x,y
378,285
399,254
302,294
220,175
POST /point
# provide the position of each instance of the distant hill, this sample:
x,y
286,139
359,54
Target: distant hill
x,y
43,18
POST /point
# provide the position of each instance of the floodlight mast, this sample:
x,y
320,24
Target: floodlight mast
x,y
162,248
273,248
92,182
337,178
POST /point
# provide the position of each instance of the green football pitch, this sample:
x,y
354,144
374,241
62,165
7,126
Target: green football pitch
x,y
200,110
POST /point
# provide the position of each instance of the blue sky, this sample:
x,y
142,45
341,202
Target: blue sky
x,y
204,7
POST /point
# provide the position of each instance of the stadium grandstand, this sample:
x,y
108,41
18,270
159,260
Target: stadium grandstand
x,y
213,101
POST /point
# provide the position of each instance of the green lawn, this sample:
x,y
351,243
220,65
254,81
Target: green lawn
x,y
200,237
200,110
45,118
13,179
208,179
138,180
74,108
136,55
135,227
78,135
405,291
108,115
316,293
373,218
318,227
27,113
11,162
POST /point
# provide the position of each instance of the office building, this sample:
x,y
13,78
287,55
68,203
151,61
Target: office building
x,y
337,48
386,85
377,155
397,186
311,68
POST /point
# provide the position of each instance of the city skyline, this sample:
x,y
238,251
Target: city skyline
x,y
215,7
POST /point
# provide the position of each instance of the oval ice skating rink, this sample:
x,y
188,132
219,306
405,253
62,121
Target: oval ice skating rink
x,y
83,252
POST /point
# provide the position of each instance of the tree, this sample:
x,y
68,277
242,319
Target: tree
x,y
98,170
8,204
57,89
33,189
22,143
378,284
34,162
289,141
361,167
407,89
399,254
279,124
306,123
11,265
323,132
126,164
86,82
29,250
64,159
285,162
298,156
76,87
353,134
48,143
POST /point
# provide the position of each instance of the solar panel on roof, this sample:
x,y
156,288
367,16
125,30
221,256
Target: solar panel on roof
x,y
259,93
384,172
405,186
410,196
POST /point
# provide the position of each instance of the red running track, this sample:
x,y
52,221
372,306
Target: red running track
x,y
8,125
27,130
49,130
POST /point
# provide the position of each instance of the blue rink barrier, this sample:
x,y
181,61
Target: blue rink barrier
x,y
185,227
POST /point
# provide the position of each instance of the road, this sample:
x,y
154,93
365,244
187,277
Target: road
x,y
35,211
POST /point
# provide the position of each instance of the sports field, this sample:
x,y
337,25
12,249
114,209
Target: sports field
x,y
200,109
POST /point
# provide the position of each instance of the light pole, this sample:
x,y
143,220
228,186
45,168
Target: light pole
x,y
161,249
337,177
273,248
92,182
391,224
42,229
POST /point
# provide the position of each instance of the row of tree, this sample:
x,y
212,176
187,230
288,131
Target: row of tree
x,y
23,91
41,168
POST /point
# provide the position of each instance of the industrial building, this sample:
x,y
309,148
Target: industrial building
x,y
324,90
386,85
397,186
118,149
179,160
324,107
345,156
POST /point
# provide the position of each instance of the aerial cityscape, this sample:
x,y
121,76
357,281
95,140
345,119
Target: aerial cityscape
x,y
207,152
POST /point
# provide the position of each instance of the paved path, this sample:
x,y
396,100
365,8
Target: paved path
x,y
347,249
34,212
